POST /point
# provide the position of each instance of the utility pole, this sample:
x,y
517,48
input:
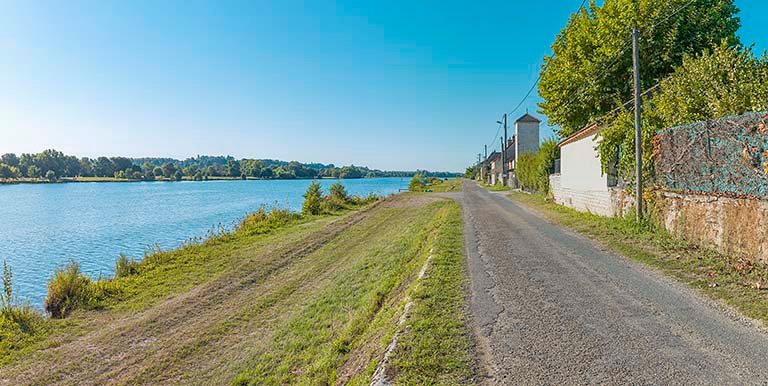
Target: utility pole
x,y
479,167
503,159
638,131
484,161
503,151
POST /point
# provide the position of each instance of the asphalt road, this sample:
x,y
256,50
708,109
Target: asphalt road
x,y
552,307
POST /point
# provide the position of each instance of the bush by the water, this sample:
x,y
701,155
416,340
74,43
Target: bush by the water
x,y
313,198
416,184
266,220
125,266
18,322
70,289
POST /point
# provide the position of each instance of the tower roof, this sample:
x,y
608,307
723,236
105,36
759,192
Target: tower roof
x,y
528,118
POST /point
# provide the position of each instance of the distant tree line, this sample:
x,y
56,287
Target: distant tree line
x,y
52,165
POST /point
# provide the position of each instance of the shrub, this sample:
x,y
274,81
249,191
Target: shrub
x,y
332,204
264,221
312,199
338,192
17,322
67,290
416,184
364,200
125,266
533,169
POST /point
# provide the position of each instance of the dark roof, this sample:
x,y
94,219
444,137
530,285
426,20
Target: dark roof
x,y
492,157
528,118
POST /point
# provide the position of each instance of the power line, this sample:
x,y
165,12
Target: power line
x,y
533,86
627,44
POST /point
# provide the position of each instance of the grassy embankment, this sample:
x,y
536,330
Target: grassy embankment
x,y
442,186
310,300
734,280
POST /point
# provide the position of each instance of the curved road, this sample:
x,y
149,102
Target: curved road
x,y
552,307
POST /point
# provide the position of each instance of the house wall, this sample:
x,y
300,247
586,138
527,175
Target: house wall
x,y
580,166
526,138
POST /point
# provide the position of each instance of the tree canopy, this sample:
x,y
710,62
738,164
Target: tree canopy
x,y
715,83
590,71
195,168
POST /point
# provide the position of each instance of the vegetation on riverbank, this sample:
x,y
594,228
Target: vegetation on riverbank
x,y
54,166
420,183
284,298
736,281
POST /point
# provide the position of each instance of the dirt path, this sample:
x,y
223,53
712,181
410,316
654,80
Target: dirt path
x,y
553,308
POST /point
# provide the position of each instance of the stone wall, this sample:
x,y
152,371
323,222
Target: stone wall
x,y
731,225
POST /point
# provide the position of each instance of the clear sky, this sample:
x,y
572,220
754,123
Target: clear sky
x,y
389,84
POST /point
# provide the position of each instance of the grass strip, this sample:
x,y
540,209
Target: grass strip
x,y
436,347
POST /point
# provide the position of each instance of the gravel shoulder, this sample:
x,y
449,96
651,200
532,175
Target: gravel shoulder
x,y
552,307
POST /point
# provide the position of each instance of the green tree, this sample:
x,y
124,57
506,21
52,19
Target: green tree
x,y
533,169
86,167
10,159
471,172
590,71
7,171
417,183
718,82
103,167
33,172
168,169
157,171
339,192
50,175
178,175
233,168
313,199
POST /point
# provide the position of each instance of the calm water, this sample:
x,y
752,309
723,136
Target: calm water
x,y
42,226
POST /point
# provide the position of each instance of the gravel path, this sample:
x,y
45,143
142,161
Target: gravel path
x,y
551,307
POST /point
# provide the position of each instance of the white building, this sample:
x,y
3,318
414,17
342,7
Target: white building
x,y
581,183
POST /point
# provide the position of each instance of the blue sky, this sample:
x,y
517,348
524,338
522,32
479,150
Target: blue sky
x,y
391,85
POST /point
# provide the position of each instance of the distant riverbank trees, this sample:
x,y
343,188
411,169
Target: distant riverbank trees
x,y
53,165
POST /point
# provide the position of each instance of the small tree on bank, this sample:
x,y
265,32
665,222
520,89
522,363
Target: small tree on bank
x,y
313,198
416,184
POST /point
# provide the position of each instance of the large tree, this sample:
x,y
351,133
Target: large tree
x,y
590,72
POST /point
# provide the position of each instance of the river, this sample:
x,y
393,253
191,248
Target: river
x,y
42,226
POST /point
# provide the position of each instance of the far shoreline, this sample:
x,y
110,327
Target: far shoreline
x,y
65,180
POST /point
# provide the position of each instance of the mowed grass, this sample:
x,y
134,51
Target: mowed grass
x,y
442,186
733,279
436,347
313,302
496,188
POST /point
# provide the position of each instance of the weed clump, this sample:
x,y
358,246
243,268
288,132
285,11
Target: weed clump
x,y
18,323
70,289
125,266
264,221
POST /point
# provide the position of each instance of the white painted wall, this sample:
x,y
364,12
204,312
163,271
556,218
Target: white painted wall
x,y
580,166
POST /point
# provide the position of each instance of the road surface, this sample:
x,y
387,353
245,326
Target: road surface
x,y
552,307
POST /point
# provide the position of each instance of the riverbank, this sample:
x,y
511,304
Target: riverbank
x,y
313,300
